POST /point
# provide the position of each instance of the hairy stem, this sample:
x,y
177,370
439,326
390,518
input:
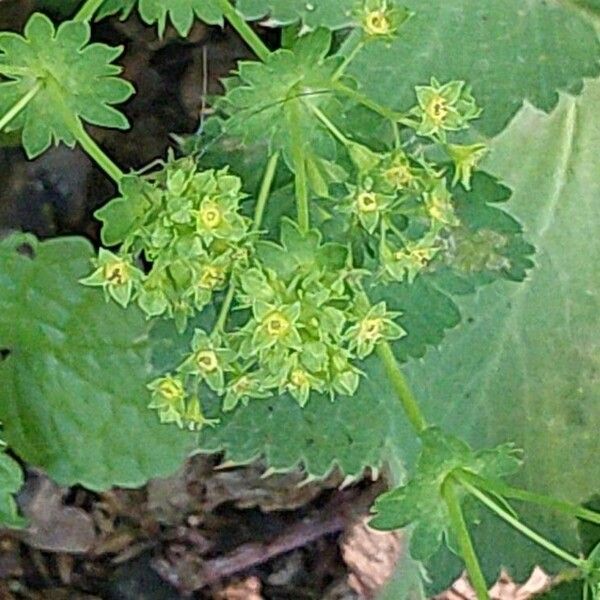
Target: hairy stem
x,y
507,491
20,105
299,160
87,10
520,527
244,30
398,380
465,544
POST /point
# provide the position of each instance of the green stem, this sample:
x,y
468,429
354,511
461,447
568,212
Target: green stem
x,y
225,308
88,10
299,160
20,105
385,112
353,44
401,387
522,528
507,491
335,132
465,544
265,190
259,211
244,30
95,152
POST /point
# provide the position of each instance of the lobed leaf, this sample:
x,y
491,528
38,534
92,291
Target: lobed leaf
x,y
78,82
524,367
74,380
508,50
180,13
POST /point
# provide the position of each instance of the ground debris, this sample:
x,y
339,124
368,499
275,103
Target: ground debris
x,y
504,589
371,557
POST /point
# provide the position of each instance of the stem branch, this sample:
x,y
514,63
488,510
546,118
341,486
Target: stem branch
x,y
520,527
463,537
507,491
20,105
244,30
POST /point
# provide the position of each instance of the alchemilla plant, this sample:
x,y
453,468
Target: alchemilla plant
x,y
299,291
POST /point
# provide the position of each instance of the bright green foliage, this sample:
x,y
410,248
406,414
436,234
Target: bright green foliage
x,y
78,82
508,50
420,501
266,101
11,480
180,13
186,223
525,366
74,382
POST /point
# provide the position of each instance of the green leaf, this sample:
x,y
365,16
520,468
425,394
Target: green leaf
x,y
78,82
507,50
74,381
420,501
525,366
333,14
11,480
180,13
267,99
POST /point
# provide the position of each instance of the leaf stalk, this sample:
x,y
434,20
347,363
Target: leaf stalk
x,y
87,11
244,30
521,527
463,537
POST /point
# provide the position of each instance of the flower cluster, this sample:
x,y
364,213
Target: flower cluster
x,y
188,230
402,200
302,328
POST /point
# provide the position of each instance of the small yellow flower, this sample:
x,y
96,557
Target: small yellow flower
x,y
366,202
277,325
399,176
371,329
377,23
207,361
211,277
437,109
210,214
170,389
299,378
116,273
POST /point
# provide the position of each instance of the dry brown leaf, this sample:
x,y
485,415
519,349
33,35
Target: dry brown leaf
x,y
504,589
371,557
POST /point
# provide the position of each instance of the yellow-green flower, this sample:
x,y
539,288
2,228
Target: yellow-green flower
x,y
116,275
168,398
